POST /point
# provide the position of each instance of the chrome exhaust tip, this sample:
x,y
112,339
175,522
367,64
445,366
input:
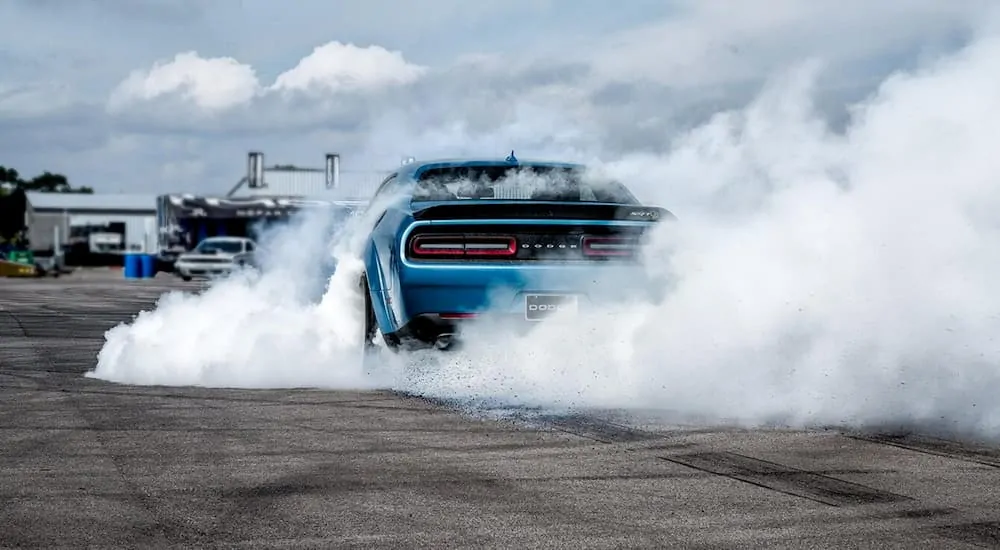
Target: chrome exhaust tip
x,y
444,341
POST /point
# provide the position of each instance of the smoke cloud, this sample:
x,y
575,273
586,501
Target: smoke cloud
x,y
814,278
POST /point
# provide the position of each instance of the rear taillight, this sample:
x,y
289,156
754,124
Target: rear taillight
x,y
443,246
608,246
437,246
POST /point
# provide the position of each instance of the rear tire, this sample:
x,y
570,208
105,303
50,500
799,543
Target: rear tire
x,y
369,325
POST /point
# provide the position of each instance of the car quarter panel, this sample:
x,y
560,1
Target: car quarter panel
x,y
382,267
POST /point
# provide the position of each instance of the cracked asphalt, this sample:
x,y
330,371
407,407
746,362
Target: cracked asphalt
x,y
84,463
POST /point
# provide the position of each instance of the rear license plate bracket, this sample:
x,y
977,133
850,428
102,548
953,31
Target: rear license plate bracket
x,y
540,306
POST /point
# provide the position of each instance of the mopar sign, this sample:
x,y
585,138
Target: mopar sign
x,y
193,206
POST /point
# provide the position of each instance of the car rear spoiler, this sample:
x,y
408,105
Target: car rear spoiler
x,y
484,210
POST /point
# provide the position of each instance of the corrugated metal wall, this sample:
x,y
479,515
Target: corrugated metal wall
x,y
287,182
353,184
137,234
42,225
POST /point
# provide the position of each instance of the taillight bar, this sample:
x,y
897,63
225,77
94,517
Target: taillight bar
x,y
437,246
456,316
463,245
608,246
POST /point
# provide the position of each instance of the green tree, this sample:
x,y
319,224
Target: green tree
x,y
46,182
9,175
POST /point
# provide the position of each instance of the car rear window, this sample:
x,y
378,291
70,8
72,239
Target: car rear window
x,y
527,183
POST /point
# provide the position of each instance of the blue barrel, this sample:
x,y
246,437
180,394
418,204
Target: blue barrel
x,y
133,266
148,266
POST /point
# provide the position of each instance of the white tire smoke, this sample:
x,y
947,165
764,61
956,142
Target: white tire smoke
x,y
816,278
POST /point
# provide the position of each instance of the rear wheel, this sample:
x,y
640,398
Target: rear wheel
x,y
369,325
370,329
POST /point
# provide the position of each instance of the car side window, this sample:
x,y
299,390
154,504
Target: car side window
x,y
386,184
249,246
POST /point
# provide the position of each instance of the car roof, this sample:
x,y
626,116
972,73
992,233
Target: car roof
x,y
415,168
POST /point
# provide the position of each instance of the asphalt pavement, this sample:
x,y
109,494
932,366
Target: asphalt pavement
x,y
84,463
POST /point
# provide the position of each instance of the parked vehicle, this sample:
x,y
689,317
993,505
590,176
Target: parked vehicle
x,y
215,257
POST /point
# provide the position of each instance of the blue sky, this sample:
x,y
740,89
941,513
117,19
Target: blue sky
x,y
79,91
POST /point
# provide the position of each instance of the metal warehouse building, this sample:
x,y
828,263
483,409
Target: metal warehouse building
x,y
309,182
76,214
327,183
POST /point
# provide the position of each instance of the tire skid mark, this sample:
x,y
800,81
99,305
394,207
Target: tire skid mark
x,y
922,513
10,325
58,325
937,447
597,429
813,486
985,534
582,425
160,528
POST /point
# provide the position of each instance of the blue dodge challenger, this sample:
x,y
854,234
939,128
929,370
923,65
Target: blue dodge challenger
x,y
458,239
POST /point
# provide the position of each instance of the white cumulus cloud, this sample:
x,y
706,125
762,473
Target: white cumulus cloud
x,y
218,84
337,67
211,84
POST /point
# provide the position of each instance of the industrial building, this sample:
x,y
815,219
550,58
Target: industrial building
x,y
262,197
326,183
96,229
103,223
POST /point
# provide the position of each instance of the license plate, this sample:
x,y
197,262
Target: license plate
x,y
538,306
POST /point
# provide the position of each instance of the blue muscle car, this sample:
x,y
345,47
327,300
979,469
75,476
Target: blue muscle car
x,y
456,239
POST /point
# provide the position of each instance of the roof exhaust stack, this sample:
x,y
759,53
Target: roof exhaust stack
x,y
255,170
332,170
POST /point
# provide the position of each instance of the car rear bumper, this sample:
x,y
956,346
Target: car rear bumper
x,y
438,298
